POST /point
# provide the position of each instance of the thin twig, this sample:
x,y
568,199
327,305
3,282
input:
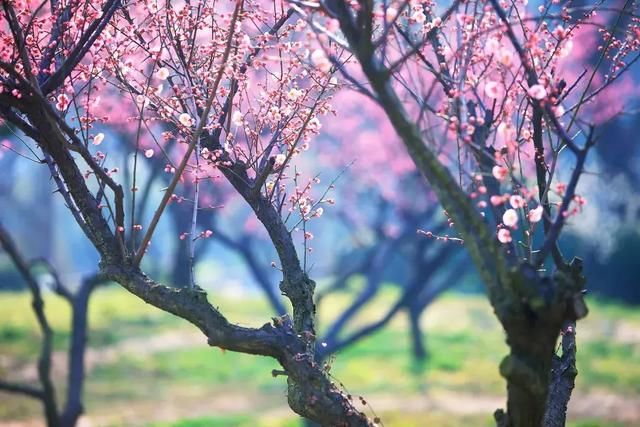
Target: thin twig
x,y
194,141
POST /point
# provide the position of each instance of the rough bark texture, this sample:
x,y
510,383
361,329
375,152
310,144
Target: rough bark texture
x,y
563,375
310,391
531,307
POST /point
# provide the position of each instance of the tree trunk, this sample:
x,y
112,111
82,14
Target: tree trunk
x,y
76,375
563,375
418,349
527,370
180,271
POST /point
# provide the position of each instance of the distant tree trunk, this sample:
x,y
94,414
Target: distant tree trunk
x,y
418,348
46,393
79,324
43,218
180,270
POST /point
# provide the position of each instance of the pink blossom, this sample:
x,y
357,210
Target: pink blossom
x,y
516,201
237,119
97,140
492,89
565,49
535,215
492,46
537,91
185,119
499,172
419,16
504,235
63,102
320,61
496,200
294,94
506,131
560,32
148,153
314,124
280,159
391,13
274,114
510,218
245,42
162,73
505,57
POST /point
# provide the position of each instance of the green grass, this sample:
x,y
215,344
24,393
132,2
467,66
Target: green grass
x,y
232,421
594,423
465,345
113,316
606,365
200,366
391,419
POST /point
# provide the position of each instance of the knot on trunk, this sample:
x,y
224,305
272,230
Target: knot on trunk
x,y
300,293
520,371
570,282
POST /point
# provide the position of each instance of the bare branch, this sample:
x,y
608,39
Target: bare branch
x,y
44,362
554,230
24,389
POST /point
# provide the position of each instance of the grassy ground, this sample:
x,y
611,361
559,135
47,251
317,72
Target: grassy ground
x,y
148,368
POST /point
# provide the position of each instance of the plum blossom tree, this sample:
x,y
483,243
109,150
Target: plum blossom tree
x,y
394,225
494,78
478,95
241,100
